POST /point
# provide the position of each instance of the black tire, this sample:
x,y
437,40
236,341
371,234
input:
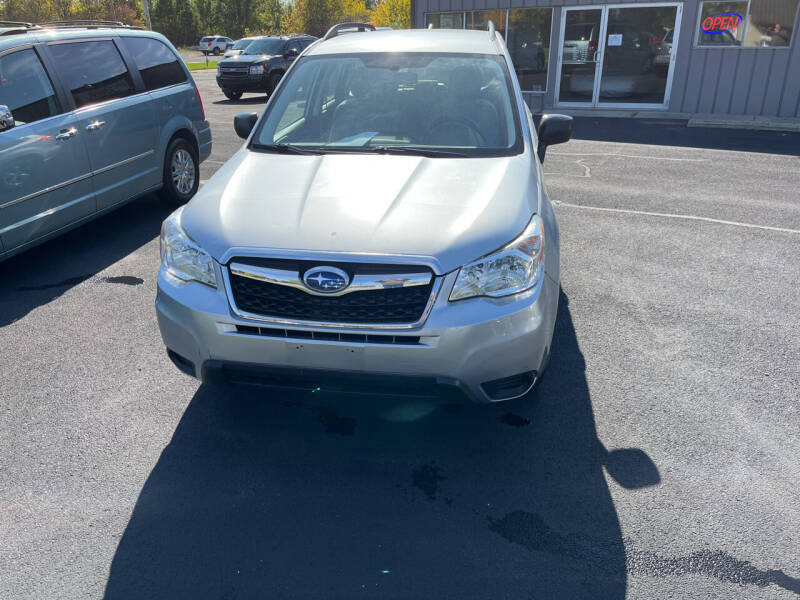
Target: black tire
x,y
231,95
178,188
273,82
216,51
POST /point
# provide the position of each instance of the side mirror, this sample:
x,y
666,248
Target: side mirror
x,y
553,129
243,124
6,118
292,52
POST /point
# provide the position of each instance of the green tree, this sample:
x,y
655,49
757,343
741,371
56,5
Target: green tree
x,y
207,16
237,15
393,13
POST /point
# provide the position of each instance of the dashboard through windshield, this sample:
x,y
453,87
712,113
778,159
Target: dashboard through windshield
x,y
438,104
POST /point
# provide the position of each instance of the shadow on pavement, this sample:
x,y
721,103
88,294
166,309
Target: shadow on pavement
x,y
666,132
262,494
249,100
44,273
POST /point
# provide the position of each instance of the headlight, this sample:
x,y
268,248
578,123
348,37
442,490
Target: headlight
x,y
512,269
181,256
256,69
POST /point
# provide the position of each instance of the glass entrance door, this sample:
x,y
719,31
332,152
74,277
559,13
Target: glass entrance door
x,y
618,55
580,54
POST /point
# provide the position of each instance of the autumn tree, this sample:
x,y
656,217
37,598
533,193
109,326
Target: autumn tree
x,y
393,13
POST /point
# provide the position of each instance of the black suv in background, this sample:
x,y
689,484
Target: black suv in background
x,y
260,67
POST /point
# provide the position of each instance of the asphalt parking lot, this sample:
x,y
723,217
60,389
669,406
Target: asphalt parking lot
x,y
659,458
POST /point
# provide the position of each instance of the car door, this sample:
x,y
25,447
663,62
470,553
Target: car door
x,y
291,51
45,175
114,114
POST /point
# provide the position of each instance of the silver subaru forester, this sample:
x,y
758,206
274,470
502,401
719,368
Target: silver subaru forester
x,y
385,229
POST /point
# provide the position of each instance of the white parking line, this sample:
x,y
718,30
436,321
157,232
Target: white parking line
x,y
674,216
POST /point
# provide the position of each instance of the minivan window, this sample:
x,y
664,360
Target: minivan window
x,y
158,65
92,71
25,87
457,103
269,46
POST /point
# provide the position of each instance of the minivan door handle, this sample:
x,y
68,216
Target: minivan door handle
x,y
66,133
95,125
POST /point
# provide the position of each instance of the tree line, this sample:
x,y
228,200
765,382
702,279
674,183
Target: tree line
x,y
184,22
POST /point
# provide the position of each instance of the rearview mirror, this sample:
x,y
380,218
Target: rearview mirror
x,y
553,129
6,118
243,124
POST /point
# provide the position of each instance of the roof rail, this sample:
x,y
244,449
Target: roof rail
x,y
491,30
344,27
88,23
15,24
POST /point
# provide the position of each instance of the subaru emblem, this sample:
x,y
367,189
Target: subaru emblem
x,y
326,280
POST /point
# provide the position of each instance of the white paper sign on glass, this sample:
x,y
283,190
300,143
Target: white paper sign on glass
x,y
615,39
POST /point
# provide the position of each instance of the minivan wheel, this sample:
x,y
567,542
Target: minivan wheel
x,y
216,51
232,95
181,174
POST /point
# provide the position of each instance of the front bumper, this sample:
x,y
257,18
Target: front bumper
x,y
247,83
464,344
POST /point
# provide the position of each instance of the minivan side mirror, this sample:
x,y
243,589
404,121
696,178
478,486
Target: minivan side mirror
x,y
243,124
553,129
292,52
6,118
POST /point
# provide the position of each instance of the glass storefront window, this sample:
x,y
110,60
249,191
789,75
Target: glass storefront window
x,y
757,23
479,20
528,43
527,38
770,23
451,20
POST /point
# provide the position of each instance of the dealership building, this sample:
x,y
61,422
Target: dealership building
x,y
721,57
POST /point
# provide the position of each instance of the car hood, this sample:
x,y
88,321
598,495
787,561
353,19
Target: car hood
x,y
448,211
248,59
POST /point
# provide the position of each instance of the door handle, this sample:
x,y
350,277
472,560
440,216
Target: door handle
x,y
95,125
66,133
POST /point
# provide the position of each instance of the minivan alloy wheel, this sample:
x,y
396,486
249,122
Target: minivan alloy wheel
x,y
183,171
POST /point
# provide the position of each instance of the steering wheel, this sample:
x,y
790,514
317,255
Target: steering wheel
x,y
465,123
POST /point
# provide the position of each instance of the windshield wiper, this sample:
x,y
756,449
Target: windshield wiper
x,y
415,150
286,149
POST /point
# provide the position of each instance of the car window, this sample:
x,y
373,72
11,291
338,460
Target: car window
x,y
268,46
242,44
25,87
460,102
158,65
92,71
205,40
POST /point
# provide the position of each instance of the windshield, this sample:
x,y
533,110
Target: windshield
x,y
242,44
398,101
272,46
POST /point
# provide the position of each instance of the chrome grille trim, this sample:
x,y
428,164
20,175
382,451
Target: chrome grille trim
x,y
437,284
360,283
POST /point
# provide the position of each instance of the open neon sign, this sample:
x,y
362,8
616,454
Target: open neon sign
x,y
721,23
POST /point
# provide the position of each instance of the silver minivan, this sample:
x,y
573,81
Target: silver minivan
x,y
384,229
90,118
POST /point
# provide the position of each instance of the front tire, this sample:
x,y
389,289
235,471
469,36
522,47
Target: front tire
x,y
216,51
232,95
181,172
274,80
